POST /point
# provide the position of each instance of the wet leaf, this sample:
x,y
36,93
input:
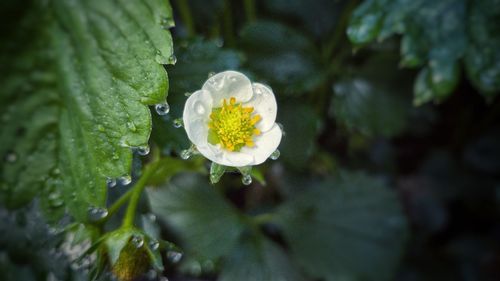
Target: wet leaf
x,y
207,224
77,78
351,228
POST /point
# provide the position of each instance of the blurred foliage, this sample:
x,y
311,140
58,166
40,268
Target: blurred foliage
x,y
423,203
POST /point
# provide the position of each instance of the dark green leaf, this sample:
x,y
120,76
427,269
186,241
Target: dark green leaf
x,y
301,125
281,56
351,228
256,258
77,78
208,225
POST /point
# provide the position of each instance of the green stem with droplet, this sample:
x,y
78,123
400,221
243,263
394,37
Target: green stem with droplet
x,y
136,191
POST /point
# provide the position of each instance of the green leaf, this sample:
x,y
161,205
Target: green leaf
x,y
256,258
168,167
482,59
194,209
281,56
77,78
372,109
351,228
301,125
437,35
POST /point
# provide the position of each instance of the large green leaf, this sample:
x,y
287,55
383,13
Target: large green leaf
x,y
437,35
208,225
77,78
257,258
351,228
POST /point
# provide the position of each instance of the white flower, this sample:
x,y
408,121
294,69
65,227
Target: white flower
x,y
231,121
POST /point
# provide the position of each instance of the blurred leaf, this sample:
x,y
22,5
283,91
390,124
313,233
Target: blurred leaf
x,y
362,105
482,59
168,167
256,258
437,35
31,250
319,17
207,224
351,228
281,56
77,77
197,58
301,125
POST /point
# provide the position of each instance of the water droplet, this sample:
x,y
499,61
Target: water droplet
x,y
55,200
143,150
138,241
282,128
174,256
125,179
185,154
96,213
187,94
199,107
131,126
172,59
275,155
246,179
167,22
178,123
154,245
11,157
210,74
151,217
162,108
110,182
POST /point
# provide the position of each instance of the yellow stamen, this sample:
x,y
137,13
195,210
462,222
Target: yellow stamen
x,y
233,126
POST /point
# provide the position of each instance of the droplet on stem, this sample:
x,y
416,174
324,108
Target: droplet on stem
x,y
246,179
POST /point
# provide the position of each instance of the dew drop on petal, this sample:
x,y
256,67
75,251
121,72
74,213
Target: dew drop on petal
x,y
178,123
125,179
96,213
246,179
275,155
162,108
138,241
143,150
199,108
210,74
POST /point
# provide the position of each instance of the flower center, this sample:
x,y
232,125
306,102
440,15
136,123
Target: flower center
x,y
232,126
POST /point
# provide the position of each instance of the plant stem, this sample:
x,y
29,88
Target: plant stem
x,y
135,194
340,30
250,10
228,24
186,16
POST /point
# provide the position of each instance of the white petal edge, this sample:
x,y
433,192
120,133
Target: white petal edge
x,y
265,145
196,116
264,104
227,84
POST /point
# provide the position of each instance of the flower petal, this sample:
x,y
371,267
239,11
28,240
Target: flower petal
x,y
265,145
196,116
264,104
211,152
227,84
237,159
